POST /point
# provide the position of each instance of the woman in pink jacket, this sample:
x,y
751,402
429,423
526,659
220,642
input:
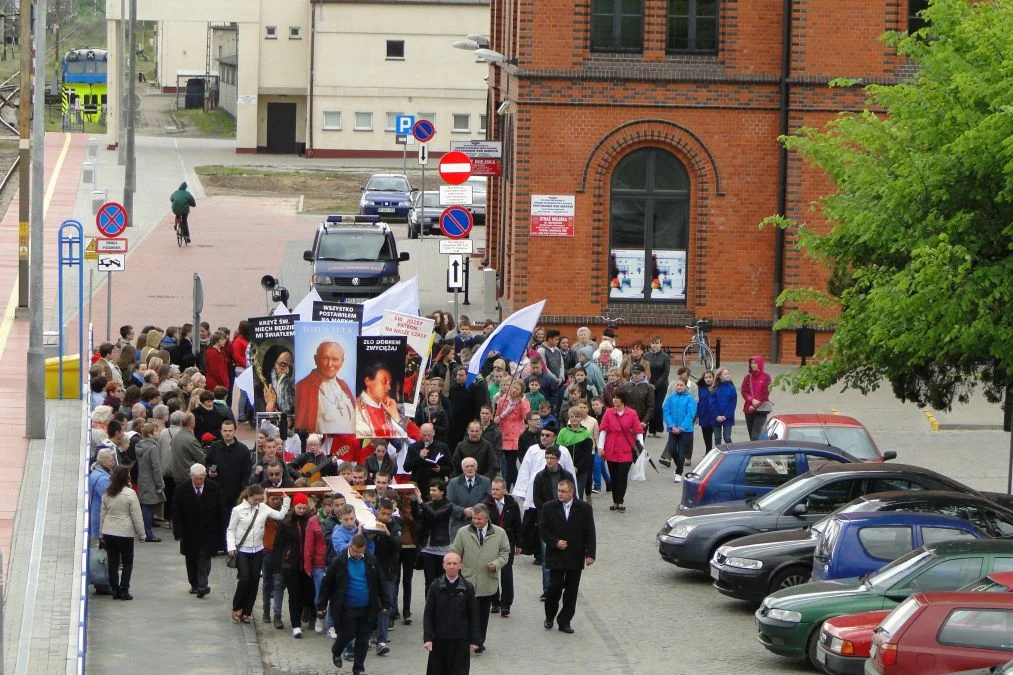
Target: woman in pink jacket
x,y
756,397
511,412
620,436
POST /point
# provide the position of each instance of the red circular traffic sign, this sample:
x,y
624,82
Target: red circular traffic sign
x,y
455,167
111,219
456,222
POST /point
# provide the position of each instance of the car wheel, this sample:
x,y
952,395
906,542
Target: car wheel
x,y
810,648
788,577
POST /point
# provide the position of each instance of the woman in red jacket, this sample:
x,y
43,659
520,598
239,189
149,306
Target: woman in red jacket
x,y
756,397
238,346
216,363
621,434
511,412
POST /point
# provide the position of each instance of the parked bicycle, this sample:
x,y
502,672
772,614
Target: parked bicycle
x,y
698,351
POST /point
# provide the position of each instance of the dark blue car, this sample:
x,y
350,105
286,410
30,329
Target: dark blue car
x,y
739,471
855,544
388,195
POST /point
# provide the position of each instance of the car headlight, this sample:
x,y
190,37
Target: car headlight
x,y
682,530
673,521
388,280
744,563
363,201
321,280
842,647
785,615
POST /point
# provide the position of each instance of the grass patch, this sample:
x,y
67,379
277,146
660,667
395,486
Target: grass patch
x,y
322,191
217,123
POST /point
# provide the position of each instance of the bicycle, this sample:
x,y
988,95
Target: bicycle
x,y
698,351
180,239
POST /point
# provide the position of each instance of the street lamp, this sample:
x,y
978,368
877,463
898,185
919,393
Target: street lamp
x,y
489,56
469,45
480,40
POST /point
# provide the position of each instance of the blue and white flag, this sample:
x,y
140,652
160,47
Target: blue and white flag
x,y
402,297
509,340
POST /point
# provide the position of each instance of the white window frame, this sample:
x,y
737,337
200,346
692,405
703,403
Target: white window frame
x,y
391,121
357,127
483,123
295,32
270,32
331,127
460,130
430,116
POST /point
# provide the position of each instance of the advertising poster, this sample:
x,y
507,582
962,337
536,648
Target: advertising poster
x,y
345,312
325,356
669,279
379,408
626,274
552,215
272,349
485,156
419,331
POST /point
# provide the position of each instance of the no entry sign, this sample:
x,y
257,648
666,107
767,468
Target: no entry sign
x,y
455,167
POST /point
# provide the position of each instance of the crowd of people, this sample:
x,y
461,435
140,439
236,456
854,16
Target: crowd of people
x,y
504,465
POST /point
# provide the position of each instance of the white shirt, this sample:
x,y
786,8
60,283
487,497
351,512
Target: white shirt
x,y
533,462
335,410
566,509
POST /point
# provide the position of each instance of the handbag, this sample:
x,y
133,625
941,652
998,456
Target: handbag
x,y
233,561
765,406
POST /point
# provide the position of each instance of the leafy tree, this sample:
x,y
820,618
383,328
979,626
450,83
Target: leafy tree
x,y
922,220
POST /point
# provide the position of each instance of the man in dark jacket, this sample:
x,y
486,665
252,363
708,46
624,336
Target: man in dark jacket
x,y
450,630
198,519
228,463
355,587
641,394
426,459
477,447
182,201
543,491
566,525
465,403
660,367
504,512
387,549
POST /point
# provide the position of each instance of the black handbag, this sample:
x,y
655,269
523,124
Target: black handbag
x,y
233,560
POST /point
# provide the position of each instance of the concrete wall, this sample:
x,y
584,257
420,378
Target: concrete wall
x,y
182,45
224,42
284,60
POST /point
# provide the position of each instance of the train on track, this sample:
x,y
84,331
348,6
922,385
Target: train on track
x,y
84,88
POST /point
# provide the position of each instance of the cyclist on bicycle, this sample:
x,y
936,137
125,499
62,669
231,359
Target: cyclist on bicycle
x,y
181,201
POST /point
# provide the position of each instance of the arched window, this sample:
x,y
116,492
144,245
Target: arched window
x,y
649,227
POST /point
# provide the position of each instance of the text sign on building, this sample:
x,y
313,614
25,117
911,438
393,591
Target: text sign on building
x,y
552,215
456,194
486,156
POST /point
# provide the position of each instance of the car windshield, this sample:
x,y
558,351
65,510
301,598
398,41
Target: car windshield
x,y
431,199
354,246
985,585
853,440
388,184
789,493
892,572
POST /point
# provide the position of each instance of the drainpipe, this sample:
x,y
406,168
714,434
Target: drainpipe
x,y
782,172
309,98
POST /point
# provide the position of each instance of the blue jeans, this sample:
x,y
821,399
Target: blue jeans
x,y
318,578
723,430
273,586
679,446
383,621
147,514
601,470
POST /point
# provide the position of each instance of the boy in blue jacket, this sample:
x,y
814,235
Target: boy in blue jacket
x,y
348,526
726,399
679,412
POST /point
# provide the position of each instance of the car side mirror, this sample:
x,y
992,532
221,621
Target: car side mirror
x,y
404,256
799,510
362,189
888,455
415,191
307,256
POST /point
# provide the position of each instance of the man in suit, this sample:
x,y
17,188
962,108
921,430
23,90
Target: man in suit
x,y
451,628
504,512
198,515
427,458
544,490
465,491
567,528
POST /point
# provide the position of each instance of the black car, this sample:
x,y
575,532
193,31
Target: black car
x,y
690,538
753,567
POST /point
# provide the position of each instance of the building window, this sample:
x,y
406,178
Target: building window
x,y
271,32
332,120
482,123
462,123
649,227
617,25
693,26
391,124
915,22
295,33
395,50
363,121
429,117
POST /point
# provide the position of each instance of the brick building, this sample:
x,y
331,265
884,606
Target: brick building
x,y
659,119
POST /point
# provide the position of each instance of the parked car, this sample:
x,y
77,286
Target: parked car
x,y
938,633
788,622
1004,669
353,257
745,470
856,544
690,538
845,641
840,431
750,568
424,215
388,195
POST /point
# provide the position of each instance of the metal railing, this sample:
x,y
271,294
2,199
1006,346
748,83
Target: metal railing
x,y
79,628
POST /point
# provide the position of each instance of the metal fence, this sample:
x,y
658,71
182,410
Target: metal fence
x,y
83,539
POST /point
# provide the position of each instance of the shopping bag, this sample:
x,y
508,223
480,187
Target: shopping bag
x,y
98,570
638,471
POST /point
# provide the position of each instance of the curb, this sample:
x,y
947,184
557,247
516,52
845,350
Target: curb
x,y
933,422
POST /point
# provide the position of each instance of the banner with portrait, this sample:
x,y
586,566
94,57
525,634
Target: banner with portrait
x,y
419,332
379,387
325,369
272,354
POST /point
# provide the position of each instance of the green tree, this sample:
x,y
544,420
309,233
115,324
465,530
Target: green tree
x,y
921,219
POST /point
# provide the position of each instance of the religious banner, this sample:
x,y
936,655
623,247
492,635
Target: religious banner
x,y
271,350
345,312
379,403
326,355
419,331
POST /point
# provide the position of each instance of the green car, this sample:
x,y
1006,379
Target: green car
x,y
788,622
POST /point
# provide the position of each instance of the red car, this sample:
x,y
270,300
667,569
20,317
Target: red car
x,y
938,633
845,641
839,431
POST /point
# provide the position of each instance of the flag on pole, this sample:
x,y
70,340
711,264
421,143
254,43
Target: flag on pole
x,y
509,340
402,297
305,307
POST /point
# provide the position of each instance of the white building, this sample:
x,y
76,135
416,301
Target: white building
x,y
326,77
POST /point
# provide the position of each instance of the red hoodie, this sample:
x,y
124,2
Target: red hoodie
x,y
755,385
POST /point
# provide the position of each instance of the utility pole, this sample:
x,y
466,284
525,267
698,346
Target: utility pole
x,y
56,36
24,155
122,139
35,408
130,181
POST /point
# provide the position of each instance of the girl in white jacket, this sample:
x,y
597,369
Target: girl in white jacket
x,y
245,542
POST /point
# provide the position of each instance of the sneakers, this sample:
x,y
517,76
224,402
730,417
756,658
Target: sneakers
x,y
332,634
319,626
677,478
277,622
382,649
596,490
297,633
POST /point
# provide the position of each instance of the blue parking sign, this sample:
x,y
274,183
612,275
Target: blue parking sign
x,y
403,123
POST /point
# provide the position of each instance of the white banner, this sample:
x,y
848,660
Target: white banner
x,y
419,331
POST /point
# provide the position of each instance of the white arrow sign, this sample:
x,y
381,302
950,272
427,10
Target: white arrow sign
x,y
455,272
423,154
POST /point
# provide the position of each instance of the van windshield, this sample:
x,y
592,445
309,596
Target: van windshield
x,y
360,246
